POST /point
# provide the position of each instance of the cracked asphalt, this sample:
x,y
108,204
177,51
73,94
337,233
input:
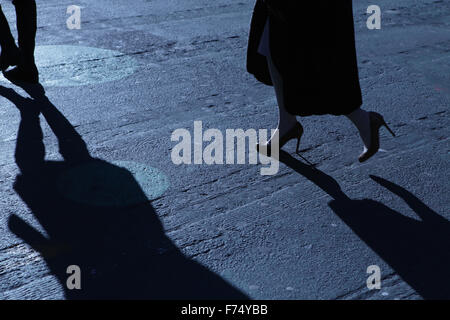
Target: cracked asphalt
x,y
221,231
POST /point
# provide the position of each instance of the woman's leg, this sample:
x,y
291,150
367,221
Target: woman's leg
x,y
286,120
359,117
361,120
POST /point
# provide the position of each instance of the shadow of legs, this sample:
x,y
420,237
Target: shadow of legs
x,y
418,251
121,249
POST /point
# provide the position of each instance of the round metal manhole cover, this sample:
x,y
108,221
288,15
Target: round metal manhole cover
x,y
67,65
117,183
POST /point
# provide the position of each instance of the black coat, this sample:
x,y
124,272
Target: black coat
x,y
313,46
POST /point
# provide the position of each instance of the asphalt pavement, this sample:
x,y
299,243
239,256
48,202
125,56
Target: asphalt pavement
x,y
104,193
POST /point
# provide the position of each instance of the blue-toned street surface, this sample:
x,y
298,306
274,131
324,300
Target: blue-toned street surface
x,y
98,189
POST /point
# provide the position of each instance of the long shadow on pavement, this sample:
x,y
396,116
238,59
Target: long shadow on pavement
x,y
122,251
418,251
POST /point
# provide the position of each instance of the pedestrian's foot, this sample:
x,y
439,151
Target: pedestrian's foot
x,y
376,122
295,132
23,74
9,58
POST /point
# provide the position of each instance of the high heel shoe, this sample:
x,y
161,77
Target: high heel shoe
x,y
376,122
295,132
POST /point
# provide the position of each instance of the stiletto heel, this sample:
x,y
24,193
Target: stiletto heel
x,y
389,129
376,122
295,132
298,144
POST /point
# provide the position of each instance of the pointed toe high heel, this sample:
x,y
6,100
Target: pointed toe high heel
x,y
295,132
376,122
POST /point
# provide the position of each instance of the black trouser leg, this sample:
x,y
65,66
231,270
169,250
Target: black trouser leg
x,y
6,38
26,70
26,29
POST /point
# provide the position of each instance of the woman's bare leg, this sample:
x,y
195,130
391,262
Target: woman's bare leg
x,y
286,120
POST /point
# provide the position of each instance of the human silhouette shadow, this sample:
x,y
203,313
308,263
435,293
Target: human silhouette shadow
x,y
121,249
417,250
